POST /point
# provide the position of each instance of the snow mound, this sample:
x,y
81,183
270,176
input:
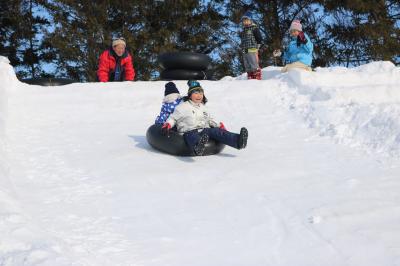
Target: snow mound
x,y
7,76
21,243
357,106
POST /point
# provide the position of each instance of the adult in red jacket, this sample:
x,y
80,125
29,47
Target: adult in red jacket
x,y
115,63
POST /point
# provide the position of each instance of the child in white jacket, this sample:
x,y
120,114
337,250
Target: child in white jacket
x,y
192,119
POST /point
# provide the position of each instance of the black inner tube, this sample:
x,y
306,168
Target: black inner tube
x,y
175,144
184,60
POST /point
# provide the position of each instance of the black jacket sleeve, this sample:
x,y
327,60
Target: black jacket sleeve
x,y
257,35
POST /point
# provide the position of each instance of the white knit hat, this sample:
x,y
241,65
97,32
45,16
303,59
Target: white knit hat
x,y
296,25
119,41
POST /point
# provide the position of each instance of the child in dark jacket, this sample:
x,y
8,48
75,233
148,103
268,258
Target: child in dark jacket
x,y
193,120
171,99
251,42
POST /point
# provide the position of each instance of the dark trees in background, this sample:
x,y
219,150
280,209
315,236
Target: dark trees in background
x,y
344,32
80,29
64,38
364,30
21,35
162,26
274,18
9,40
30,30
84,29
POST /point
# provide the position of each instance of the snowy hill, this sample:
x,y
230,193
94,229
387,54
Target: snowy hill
x,y
318,184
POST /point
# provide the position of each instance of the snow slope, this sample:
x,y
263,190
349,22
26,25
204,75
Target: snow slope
x,y
317,185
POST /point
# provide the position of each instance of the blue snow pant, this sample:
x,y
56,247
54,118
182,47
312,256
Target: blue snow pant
x,y
228,138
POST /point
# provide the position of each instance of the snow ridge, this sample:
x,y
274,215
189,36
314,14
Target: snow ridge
x,y
357,107
21,242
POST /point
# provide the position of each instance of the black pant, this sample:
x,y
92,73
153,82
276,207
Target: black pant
x,y
228,138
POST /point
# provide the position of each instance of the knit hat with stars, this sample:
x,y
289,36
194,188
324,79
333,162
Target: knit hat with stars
x,y
170,88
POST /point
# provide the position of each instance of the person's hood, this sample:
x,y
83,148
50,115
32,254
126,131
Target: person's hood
x,y
170,98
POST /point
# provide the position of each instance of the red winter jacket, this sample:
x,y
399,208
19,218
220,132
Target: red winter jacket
x,y
107,64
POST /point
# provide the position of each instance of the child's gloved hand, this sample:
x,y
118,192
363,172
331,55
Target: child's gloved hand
x,y
277,53
165,129
222,126
301,38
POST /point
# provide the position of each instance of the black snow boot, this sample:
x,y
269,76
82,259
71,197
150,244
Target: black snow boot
x,y
242,142
201,145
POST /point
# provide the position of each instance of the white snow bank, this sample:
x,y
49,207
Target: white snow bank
x,y
21,243
358,106
89,187
8,79
372,83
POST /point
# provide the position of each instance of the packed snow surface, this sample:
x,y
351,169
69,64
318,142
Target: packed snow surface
x,y
317,185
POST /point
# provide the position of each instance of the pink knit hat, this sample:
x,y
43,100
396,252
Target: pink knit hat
x,y
296,25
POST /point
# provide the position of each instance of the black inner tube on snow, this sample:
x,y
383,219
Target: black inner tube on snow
x,y
175,144
48,81
186,74
184,60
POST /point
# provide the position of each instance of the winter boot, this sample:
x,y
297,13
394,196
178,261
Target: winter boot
x,y
201,145
249,75
258,74
242,141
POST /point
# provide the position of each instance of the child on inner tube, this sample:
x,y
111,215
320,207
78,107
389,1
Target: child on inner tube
x,y
192,118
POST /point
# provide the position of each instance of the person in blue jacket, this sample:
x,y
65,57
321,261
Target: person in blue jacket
x,y
171,99
298,54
